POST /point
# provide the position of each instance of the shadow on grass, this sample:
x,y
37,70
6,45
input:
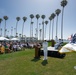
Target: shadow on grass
x,y
44,62
35,59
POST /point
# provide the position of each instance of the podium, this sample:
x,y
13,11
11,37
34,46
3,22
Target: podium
x,y
37,51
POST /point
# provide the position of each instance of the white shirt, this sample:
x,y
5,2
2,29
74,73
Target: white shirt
x,y
45,44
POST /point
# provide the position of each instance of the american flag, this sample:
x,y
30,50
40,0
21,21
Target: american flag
x,y
70,37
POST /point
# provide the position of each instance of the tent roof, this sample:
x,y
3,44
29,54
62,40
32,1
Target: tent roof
x,y
3,38
15,39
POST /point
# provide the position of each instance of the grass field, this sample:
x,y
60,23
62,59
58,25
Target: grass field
x,y
23,63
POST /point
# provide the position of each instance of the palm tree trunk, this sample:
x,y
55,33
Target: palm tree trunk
x,y
62,24
11,32
1,32
16,28
37,28
52,28
40,34
30,29
57,27
5,29
43,31
22,29
36,32
49,29
14,32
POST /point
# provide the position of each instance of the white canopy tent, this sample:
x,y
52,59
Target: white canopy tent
x,y
3,39
14,39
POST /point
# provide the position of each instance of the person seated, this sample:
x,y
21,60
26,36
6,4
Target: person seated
x,y
14,47
7,50
2,49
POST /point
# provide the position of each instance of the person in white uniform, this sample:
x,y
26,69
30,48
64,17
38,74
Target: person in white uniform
x,y
45,45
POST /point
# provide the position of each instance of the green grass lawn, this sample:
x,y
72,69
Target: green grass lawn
x,y
23,63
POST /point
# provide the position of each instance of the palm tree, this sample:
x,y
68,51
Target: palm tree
x,y
24,19
17,18
46,22
32,28
50,18
53,16
5,18
11,31
37,17
40,33
58,11
36,32
1,31
31,16
39,29
20,35
39,26
63,4
14,32
0,25
0,21
6,32
35,35
43,17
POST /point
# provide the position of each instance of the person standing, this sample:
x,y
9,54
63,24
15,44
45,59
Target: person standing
x,y
45,46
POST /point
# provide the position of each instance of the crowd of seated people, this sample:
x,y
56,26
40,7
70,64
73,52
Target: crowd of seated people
x,y
8,47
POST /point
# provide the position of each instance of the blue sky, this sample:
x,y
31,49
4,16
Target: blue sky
x,y
15,8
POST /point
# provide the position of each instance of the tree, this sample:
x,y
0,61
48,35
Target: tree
x,y
6,32
63,4
58,11
17,18
36,32
53,16
11,31
14,32
46,22
37,17
32,28
20,36
0,25
50,18
1,31
24,19
1,20
43,17
5,18
40,33
31,16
